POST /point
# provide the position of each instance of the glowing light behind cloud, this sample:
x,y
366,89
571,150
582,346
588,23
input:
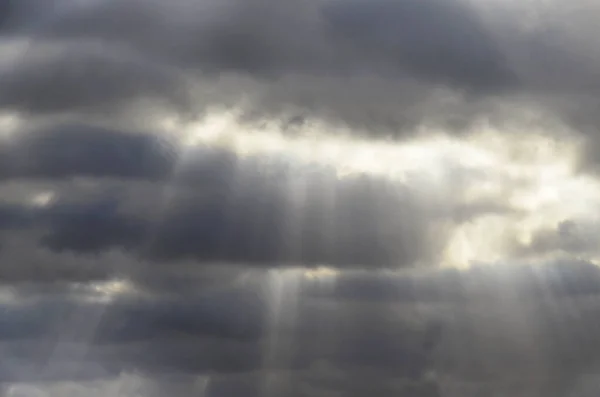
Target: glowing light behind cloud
x,y
531,172
109,290
9,124
42,199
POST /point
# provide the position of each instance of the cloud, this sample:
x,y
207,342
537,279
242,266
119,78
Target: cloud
x,y
414,34
269,38
284,60
289,55
73,150
233,337
216,206
551,279
209,332
294,383
505,342
275,197
76,76
305,59
214,194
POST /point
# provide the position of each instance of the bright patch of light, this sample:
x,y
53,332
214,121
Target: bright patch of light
x,y
109,290
7,295
42,199
9,124
12,49
22,390
525,170
349,155
540,189
482,240
320,273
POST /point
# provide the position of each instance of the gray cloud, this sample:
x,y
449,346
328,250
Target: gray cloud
x,y
543,339
212,230
67,151
555,279
539,344
89,77
220,207
304,58
226,331
85,200
292,383
267,37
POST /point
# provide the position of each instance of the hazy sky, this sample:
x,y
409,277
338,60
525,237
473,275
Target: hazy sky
x,y
308,198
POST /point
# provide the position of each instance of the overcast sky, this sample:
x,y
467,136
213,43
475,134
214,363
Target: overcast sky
x,y
308,198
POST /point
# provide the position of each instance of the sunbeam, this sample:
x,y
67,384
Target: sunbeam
x,y
277,198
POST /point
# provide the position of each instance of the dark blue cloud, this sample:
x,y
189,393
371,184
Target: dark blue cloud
x,y
16,216
225,332
84,77
79,150
221,207
136,51
436,40
230,315
269,39
103,225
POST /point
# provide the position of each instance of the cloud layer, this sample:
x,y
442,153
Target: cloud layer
x,y
298,198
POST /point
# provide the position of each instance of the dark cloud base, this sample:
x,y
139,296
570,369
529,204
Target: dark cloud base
x,y
228,331
216,207
236,333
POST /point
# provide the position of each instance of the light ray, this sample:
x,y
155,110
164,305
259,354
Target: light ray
x,y
530,171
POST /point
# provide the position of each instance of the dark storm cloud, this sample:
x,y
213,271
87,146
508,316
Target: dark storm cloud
x,y
24,260
376,65
128,205
259,228
220,332
380,66
541,346
310,59
322,379
89,77
15,216
288,383
228,315
72,150
273,37
259,222
33,268
543,343
210,205
437,40
14,13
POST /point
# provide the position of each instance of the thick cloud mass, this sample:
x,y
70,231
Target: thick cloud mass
x,y
219,208
299,198
97,75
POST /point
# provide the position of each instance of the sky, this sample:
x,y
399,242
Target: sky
x,y
307,198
